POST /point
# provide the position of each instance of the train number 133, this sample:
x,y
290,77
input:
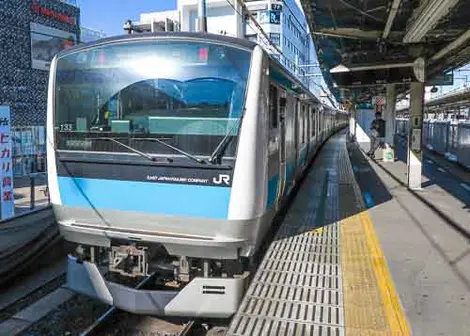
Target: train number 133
x,y
65,127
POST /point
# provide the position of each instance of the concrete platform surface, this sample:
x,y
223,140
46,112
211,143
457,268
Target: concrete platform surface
x,y
425,238
324,273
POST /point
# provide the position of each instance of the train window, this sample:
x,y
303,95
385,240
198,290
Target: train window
x,y
320,123
310,121
309,114
312,128
191,93
315,120
298,129
301,124
304,124
273,105
282,104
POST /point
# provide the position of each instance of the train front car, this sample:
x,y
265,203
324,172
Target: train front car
x,y
151,172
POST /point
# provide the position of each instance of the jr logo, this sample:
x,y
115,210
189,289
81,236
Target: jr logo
x,y
222,179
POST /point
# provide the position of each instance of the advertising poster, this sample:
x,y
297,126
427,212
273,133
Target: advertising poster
x,y
46,42
6,185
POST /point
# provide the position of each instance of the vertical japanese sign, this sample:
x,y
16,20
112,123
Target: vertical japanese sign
x,y
6,185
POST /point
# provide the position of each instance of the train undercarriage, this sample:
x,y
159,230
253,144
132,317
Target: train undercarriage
x,y
180,286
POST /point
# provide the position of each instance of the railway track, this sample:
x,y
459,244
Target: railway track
x,y
130,324
17,258
136,324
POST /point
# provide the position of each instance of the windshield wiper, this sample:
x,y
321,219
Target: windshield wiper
x,y
192,157
148,157
216,155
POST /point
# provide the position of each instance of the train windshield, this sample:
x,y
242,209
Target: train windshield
x,y
189,95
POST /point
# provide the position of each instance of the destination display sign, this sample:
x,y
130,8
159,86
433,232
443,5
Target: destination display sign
x,y
441,80
375,77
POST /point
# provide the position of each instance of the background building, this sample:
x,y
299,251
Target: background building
x,y
223,17
285,25
158,21
32,32
282,21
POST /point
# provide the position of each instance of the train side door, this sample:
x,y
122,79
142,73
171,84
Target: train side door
x,y
296,131
282,143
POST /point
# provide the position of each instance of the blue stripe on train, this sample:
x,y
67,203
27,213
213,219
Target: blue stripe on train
x,y
272,190
273,184
157,198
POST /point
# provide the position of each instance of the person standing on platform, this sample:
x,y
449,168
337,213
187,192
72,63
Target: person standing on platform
x,y
377,134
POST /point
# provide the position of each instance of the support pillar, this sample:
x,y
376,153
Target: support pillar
x,y
415,153
202,16
391,98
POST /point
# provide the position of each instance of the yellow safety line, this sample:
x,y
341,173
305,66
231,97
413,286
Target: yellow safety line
x,y
317,230
390,301
371,303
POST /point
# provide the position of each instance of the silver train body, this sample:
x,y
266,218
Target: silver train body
x,y
194,221
448,138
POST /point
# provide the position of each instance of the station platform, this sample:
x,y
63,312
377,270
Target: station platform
x,y
360,254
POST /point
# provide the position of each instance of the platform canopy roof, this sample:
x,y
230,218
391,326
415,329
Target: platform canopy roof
x,y
364,44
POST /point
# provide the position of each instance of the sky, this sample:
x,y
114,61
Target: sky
x,y
110,15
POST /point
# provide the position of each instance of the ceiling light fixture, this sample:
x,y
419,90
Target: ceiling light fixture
x,y
427,17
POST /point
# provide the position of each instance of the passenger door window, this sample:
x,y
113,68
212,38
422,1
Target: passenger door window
x,y
273,106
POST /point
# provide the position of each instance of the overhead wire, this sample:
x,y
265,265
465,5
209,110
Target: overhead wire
x,y
268,39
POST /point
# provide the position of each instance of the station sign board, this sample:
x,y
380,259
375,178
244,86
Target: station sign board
x,y
7,199
256,7
40,10
378,100
375,77
441,79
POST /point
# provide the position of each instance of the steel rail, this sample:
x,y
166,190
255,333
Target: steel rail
x,y
16,261
94,328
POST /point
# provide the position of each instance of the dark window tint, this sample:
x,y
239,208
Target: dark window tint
x,y
273,105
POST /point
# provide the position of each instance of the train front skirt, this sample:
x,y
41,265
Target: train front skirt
x,y
208,297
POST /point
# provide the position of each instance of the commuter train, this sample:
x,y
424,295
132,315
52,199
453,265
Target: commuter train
x,y
445,137
169,154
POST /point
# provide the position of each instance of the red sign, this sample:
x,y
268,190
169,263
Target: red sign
x,y
36,8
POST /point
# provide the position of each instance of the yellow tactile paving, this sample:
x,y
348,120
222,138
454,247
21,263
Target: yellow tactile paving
x,y
371,304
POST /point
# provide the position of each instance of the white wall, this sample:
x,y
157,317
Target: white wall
x,y
364,119
220,16
159,16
